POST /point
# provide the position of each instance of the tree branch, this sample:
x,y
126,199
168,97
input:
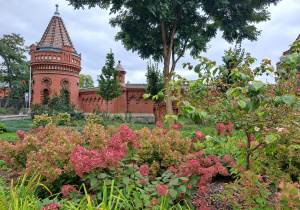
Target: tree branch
x,y
209,15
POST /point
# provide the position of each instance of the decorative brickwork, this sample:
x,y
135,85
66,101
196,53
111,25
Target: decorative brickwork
x,y
55,63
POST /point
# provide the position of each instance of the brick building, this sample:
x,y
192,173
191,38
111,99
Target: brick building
x,y
56,63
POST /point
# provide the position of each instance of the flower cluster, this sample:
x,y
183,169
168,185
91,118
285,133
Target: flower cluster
x,y
42,119
144,170
52,206
162,189
21,134
66,190
177,126
199,135
159,124
225,130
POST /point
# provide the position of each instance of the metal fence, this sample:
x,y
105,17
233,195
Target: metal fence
x,y
13,106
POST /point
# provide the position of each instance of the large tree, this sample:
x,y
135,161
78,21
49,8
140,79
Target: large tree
x,y
166,29
109,85
85,81
14,69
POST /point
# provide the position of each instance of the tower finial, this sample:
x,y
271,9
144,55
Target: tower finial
x,y
56,13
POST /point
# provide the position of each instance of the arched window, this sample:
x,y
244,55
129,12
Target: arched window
x,y
46,96
38,57
50,57
54,57
45,57
58,58
42,57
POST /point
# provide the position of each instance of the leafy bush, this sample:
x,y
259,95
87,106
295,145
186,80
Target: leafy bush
x,y
3,111
94,118
42,120
56,105
3,128
61,118
260,192
65,156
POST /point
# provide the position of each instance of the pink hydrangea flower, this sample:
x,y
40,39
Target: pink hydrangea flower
x,y
199,135
39,129
67,189
21,134
172,168
229,127
52,206
159,124
221,128
31,131
162,189
252,137
144,170
143,181
227,159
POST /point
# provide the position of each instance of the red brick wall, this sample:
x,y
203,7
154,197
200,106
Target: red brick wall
x,y
63,70
130,101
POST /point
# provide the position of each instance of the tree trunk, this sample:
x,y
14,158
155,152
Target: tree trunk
x,y
248,151
6,103
106,110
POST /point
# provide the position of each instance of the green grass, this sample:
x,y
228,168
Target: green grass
x,y
207,130
10,137
14,125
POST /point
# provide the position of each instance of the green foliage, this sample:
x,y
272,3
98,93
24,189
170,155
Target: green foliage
x,y
12,52
109,85
56,105
155,82
61,118
42,120
221,146
3,111
3,128
85,81
257,192
94,118
14,125
166,30
10,137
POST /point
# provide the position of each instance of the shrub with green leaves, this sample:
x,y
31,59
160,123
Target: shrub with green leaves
x,y
95,118
3,128
61,118
42,120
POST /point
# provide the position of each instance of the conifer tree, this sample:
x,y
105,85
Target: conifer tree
x,y
155,83
109,85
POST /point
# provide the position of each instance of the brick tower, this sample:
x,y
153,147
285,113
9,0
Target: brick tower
x,y
55,63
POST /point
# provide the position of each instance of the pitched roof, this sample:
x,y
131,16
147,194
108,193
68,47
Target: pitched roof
x,y
56,34
119,67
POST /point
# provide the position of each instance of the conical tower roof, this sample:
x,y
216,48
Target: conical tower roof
x,y
119,67
56,34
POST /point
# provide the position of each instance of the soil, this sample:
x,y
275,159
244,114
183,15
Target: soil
x,y
213,197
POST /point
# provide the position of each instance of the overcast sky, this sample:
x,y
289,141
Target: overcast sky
x,y
92,36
